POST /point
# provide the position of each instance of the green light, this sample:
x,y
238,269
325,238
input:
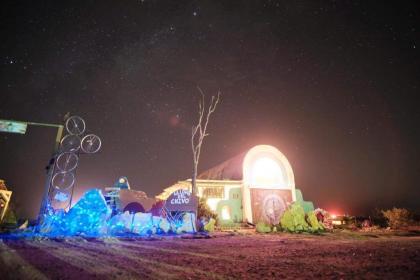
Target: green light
x,y
13,126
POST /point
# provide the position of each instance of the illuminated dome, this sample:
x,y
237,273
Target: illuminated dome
x,y
263,166
266,167
266,172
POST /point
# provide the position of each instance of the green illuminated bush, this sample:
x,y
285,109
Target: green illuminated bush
x,y
293,219
263,227
209,227
313,222
9,218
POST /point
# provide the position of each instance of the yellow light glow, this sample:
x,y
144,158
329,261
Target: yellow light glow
x,y
266,172
212,203
225,213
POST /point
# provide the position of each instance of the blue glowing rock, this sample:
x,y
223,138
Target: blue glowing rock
x,y
188,223
142,223
89,215
120,224
155,223
53,223
164,225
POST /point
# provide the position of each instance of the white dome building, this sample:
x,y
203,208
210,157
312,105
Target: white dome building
x,y
251,187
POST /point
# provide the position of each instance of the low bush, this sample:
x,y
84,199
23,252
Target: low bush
x,y
263,227
313,222
397,217
378,218
209,227
293,219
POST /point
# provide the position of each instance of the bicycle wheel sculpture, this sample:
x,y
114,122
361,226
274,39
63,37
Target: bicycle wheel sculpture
x,y
63,177
70,143
62,180
75,125
67,161
91,144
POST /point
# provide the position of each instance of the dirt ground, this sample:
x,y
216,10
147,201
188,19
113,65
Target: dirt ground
x,y
343,255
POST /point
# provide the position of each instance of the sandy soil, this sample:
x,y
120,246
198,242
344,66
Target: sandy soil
x,y
225,256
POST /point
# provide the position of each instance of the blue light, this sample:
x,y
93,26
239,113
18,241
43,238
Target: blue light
x,y
91,217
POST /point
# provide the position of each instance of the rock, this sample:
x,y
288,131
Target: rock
x,y
24,225
188,223
120,224
142,223
155,224
53,223
88,216
156,221
164,225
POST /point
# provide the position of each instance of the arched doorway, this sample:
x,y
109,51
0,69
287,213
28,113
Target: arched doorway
x,y
134,207
268,184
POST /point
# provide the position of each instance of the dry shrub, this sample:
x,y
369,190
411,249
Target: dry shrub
x,y
397,217
204,210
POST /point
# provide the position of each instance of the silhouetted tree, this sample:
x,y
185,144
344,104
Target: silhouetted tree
x,y
199,132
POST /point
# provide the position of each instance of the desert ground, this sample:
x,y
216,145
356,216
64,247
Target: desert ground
x,y
224,255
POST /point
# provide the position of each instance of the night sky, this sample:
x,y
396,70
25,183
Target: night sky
x,y
332,85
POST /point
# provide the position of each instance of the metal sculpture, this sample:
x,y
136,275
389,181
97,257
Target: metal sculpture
x,y
61,179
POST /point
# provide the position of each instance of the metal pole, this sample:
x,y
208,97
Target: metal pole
x,y
45,124
51,166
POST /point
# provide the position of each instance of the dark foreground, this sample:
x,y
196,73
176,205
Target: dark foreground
x,y
241,256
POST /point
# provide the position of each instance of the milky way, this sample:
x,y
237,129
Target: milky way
x,y
331,85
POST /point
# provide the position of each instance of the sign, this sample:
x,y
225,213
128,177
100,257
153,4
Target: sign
x,y
13,126
181,200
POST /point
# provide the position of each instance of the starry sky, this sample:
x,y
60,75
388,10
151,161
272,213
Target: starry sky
x,y
331,84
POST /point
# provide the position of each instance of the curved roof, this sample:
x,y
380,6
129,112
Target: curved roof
x,y
232,169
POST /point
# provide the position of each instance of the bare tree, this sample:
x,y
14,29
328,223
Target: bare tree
x,y
199,131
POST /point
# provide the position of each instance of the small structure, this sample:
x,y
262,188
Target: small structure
x,y
112,194
339,220
121,198
5,196
254,186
